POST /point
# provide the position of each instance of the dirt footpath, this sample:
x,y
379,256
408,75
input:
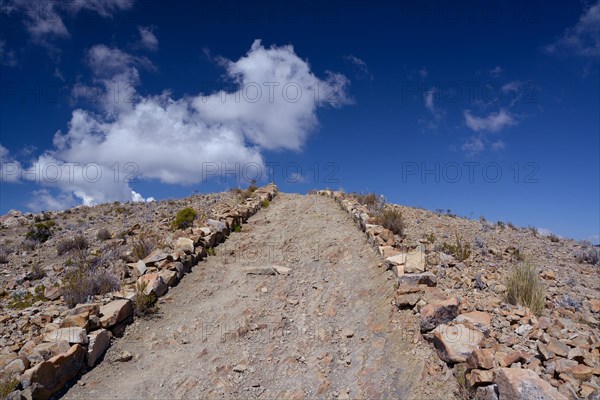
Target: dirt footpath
x,y
325,330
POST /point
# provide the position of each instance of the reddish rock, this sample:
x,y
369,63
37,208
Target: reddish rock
x,y
433,315
426,278
50,376
456,343
476,319
558,348
154,284
115,312
478,377
506,360
481,359
518,384
99,341
580,372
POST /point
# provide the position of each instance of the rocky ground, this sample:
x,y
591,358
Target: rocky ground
x,y
453,274
297,303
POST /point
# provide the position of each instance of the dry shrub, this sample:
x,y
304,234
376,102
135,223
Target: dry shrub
x,y
144,304
525,288
78,242
391,218
90,276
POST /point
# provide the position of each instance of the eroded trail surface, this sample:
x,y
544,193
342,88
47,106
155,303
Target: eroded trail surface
x,y
325,330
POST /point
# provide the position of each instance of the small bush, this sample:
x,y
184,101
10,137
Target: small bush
x,y
7,386
103,234
237,228
184,218
367,199
89,277
41,231
78,242
37,271
525,288
4,253
511,225
143,246
143,304
568,301
29,244
211,251
391,218
553,238
533,230
430,238
500,224
265,203
461,250
588,253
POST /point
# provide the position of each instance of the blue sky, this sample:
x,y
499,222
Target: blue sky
x,y
484,108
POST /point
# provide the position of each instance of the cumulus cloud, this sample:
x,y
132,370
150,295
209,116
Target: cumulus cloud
x,y
44,200
493,122
148,40
9,166
583,39
178,140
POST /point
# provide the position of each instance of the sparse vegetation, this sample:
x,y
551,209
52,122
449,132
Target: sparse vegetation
x,y
553,238
144,304
7,386
103,234
533,230
525,288
184,218
37,271
4,252
460,250
430,238
89,276
265,203
588,253
391,218
78,242
211,251
249,192
41,231
143,246
237,228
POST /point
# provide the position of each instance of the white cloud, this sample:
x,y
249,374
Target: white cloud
x,y
177,141
9,167
498,145
43,19
147,38
44,200
496,71
360,67
281,121
437,113
7,57
583,39
493,122
138,198
510,87
473,145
